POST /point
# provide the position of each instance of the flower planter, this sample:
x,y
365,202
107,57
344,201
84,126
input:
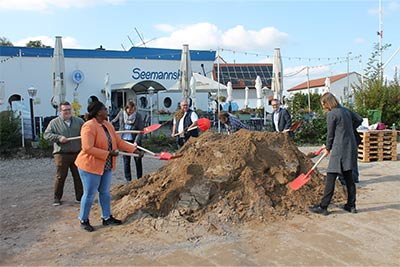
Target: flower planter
x,y
164,117
244,117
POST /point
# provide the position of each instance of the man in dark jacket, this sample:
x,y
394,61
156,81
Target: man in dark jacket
x,y
65,151
281,120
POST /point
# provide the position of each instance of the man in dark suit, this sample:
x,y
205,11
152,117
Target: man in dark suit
x,y
281,120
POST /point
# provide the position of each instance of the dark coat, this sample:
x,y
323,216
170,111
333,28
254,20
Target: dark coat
x,y
284,121
341,140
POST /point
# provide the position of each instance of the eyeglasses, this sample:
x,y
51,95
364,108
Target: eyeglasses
x,y
275,105
65,110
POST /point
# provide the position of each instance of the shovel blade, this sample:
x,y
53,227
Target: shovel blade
x,y
151,128
167,156
204,124
299,181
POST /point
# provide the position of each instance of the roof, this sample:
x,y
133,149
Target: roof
x,y
138,87
134,52
320,82
203,83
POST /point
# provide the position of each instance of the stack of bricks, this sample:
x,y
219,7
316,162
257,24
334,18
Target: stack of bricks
x,y
377,145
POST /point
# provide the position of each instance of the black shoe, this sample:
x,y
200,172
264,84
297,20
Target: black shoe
x,y
85,225
349,209
111,221
317,209
56,202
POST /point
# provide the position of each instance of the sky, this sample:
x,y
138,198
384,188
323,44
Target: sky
x,y
329,37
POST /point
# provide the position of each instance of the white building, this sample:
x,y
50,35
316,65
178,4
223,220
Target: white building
x,y
129,75
338,85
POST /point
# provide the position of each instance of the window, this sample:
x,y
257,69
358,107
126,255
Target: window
x,y
167,102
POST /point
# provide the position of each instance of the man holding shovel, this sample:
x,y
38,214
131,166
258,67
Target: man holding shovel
x,y
281,119
184,119
65,151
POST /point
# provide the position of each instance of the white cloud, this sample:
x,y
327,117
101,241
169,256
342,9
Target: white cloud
x,y
208,36
68,42
165,27
393,6
387,9
359,40
44,5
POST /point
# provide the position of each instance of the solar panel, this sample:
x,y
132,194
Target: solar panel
x,y
242,75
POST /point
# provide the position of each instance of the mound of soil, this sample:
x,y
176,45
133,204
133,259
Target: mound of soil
x,y
223,178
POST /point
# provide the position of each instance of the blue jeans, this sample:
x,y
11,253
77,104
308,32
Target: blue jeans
x,y
93,183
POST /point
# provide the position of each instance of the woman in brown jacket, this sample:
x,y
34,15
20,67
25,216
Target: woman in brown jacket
x,y
96,161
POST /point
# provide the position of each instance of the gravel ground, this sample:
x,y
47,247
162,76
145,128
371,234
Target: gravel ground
x,y
33,232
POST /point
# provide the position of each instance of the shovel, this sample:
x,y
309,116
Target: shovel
x,y
304,178
146,130
203,124
161,155
315,153
153,157
294,127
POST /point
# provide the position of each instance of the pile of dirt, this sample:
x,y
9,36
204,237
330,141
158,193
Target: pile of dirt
x,y
225,179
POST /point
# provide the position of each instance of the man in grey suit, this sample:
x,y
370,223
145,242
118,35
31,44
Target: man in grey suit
x,y
281,119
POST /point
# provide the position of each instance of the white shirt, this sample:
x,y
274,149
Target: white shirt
x,y
276,119
193,117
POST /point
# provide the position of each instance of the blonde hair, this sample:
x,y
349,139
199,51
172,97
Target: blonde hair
x,y
329,100
130,104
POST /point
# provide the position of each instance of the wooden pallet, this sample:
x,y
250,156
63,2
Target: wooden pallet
x,y
377,145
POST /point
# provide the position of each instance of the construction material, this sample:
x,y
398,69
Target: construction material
x,y
377,145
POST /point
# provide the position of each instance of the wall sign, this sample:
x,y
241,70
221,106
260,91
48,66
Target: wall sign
x,y
77,76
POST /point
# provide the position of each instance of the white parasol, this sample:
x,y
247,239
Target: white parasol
x,y
193,91
246,97
327,84
59,91
277,81
186,73
258,92
107,90
229,91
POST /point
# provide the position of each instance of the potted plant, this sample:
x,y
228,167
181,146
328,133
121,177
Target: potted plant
x,y
244,114
164,115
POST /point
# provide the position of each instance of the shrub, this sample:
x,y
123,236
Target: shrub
x,y
10,135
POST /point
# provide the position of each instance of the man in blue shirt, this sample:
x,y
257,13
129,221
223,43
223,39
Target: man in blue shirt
x,y
232,123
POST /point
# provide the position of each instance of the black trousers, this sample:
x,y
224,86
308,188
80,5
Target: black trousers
x,y
330,188
127,166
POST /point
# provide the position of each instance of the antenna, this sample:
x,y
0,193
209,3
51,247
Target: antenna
x,y
131,41
141,37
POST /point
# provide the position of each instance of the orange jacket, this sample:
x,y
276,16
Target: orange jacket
x,y
94,153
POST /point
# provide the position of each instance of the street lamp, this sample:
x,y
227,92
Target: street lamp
x,y
32,93
348,76
151,93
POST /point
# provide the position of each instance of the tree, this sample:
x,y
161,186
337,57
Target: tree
x,y
37,44
376,95
5,42
373,65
